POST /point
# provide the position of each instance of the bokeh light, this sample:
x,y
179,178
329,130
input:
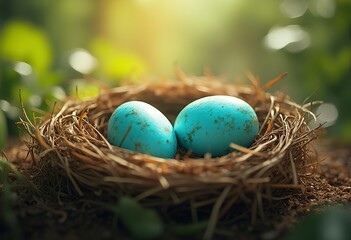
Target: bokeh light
x,y
327,114
291,37
82,61
294,8
23,68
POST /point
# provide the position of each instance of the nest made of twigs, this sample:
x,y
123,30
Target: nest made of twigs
x,y
73,142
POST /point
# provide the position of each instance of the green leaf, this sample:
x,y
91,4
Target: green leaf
x,y
23,42
115,63
142,223
6,168
8,79
332,223
3,130
189,229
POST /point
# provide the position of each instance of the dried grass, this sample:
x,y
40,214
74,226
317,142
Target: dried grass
x,y
71,142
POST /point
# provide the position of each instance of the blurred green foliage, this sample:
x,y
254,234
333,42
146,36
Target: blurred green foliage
x,y
25,64
22,42
48,49
328,64
114,63
146,223
3,130
331,223
11,180
142,223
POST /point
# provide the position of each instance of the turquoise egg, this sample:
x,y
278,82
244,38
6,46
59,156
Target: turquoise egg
x,y
140,127
210,124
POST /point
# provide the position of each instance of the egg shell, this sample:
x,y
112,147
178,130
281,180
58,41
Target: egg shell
x,y
210,124
150,131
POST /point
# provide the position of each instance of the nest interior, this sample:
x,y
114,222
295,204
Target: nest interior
x,y
70,141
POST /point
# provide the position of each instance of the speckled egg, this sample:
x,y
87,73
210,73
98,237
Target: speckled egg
x,y
140,127
210,124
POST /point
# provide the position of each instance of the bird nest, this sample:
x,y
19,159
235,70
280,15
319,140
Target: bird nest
x,y
72,141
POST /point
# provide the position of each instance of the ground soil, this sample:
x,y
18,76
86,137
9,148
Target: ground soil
x,y
44,217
